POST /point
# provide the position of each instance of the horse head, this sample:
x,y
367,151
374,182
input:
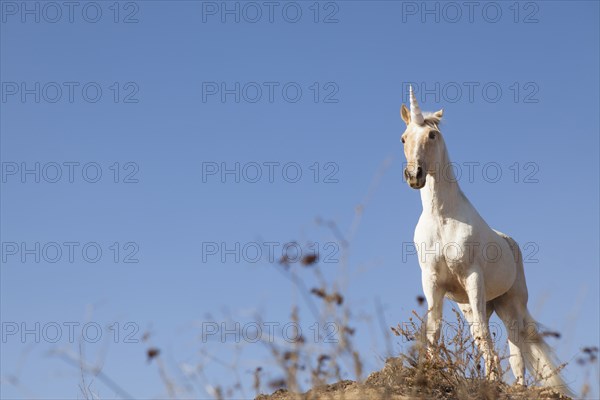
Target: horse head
x,y
424,146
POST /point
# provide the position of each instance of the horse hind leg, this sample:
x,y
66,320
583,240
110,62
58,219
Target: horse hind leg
x,y
512,315
511,308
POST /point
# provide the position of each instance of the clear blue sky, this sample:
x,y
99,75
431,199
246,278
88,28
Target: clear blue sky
x,y
167,121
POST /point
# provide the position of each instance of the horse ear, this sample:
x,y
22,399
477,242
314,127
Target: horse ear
x,y
439,113
405,114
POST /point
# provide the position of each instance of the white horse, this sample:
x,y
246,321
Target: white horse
x,y
465,260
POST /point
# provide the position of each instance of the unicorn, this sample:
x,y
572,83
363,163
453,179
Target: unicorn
x,y
464,260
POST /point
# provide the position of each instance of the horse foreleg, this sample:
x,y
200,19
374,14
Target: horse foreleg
x,y
434,295
478,323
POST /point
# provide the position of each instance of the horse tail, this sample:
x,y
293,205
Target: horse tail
x,y
540,359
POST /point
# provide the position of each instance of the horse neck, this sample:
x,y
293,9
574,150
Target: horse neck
x,y
441,194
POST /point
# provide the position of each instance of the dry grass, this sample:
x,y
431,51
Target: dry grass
x,y
452,371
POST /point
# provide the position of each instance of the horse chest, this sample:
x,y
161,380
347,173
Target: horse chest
x,y
444,245
440,258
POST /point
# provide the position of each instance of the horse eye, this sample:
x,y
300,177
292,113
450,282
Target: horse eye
x,y
432,134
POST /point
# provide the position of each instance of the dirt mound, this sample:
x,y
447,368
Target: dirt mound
x,y
399,381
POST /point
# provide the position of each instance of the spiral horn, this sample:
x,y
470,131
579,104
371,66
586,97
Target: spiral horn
x,y
416,115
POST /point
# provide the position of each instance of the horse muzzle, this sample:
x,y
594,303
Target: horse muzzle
x,y
415,176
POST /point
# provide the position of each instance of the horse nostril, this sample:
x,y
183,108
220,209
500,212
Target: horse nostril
x,y
419,172
406,173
